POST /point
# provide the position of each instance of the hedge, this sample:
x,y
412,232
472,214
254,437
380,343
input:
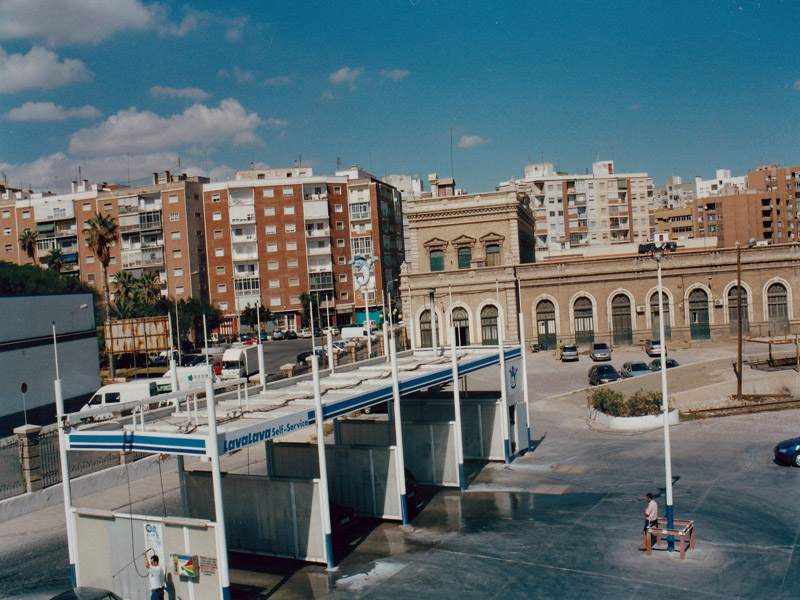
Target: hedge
x,y
615,404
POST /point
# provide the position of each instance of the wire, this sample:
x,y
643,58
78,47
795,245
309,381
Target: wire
x,y
161,478
130,519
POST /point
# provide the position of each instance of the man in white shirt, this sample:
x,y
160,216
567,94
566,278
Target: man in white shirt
x,y
650,520
155,577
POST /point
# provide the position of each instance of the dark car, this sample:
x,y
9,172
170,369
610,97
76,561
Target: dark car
x,y
317,332
87,593
602,374
291,335
787,452
188,360
655,365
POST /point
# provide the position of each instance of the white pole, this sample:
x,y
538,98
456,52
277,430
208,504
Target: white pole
x,y
462,483
216,479
366,322
524,374
434,325
329,337
665,409
311,313
503,392
178,331
409,318
398,433
262,371
386,340
323,464
66,486
173,365
205,341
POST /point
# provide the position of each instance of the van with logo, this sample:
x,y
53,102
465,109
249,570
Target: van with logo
x,y
114,394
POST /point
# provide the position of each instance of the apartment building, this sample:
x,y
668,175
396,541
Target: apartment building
x,y
598,209
275,234
160,226
677,195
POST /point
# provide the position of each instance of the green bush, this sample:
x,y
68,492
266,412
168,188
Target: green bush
x,y
615,404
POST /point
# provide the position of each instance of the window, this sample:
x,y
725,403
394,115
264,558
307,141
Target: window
x,y
489,335
337,189
90,277
274,283
338,208
340,260
215,198
89,260
220,269
288,210
269,212
493,255
222,288
340,225
272,265
219,251
26,214
291,246
294,300
223,306
359,211
107,206
287,191
6,230
218,234
344,295
294,281
290,228
173,217
173,198
292,263
340,243
8,247
274,301
342,277
272,229
178,272
177,254
175,235
217,216
362,245
272,247
113,260
437,260
86,206
464,258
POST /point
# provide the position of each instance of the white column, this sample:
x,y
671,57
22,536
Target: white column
x,y
262,370
398,432
457,404
386,340
329,337
503,392
323,464
216,479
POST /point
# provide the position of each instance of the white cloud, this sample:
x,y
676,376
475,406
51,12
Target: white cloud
x,y
394,74
59,22
234,27
279,80
797,85
239,74
468,141
131,131
345,75
189,93
47,111
38,69
276,122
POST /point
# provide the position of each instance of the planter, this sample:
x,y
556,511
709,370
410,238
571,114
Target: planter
x,y
632,423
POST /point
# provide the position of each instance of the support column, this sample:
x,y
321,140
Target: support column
x,y
503,392
398,432
182,483
525,390
30,459
323,464
457,404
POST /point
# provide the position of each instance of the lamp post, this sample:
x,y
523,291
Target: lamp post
x,y
739,323
657,250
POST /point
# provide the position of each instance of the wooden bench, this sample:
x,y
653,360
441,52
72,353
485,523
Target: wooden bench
x,y
681,529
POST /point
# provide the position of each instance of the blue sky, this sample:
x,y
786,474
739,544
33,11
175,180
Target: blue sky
x,y
126,87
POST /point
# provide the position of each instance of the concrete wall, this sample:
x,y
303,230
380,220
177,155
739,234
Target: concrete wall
x,y
276,517
110,547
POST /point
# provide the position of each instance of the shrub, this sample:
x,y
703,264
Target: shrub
x,y
615,404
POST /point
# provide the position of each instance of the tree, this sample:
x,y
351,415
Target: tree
x,y
27,241
125,284
248,316
55,259
149,288
101,233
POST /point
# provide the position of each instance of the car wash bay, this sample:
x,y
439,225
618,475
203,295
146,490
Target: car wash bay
x,y
290,509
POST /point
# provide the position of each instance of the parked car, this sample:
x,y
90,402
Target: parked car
x,y
569,352
334,330
277,334
290,335
600,351
653,348
188,359
263,336
655,364
788,452
86,593
305,333
317,332
602,374
634,368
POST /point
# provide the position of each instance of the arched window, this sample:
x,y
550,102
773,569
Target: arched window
x,y
437,260
621,324
778,308
461,325
584,321
489,325
425,332
464,257
546,324
493,255
656,333
733,311
698,315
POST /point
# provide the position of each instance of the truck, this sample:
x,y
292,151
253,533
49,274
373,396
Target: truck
x,y
188,378
239,361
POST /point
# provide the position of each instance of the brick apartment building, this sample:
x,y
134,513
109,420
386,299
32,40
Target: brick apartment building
x,y
274,234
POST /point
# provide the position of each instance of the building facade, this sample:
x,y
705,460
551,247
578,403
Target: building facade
x,y
275,234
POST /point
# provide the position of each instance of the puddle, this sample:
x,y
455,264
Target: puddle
x,y
380,572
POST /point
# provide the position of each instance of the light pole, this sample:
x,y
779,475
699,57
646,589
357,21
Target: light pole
x,y
657,250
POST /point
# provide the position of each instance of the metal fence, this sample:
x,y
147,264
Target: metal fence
x,y
80,463
11,480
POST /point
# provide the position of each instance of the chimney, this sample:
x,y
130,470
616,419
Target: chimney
x,y
74,186
155,178
85,185
167,177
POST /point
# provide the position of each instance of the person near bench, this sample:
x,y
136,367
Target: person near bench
x,y
650,520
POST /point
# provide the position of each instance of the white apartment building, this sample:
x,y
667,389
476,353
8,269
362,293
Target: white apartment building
x,y
676,194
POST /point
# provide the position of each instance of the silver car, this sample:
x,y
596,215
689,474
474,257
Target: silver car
x,y
600,351
569,352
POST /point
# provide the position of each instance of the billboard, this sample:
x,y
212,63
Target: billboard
x,y
147,334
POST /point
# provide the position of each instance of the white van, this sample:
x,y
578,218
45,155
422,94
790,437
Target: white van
x,y
114,394
356,333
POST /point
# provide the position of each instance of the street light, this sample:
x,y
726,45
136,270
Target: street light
x,y
657,250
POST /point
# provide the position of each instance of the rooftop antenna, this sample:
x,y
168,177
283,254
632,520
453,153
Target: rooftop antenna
x,y
80,177
179,166
205,158
452,170
129,169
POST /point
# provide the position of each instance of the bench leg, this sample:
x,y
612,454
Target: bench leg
x,y
658,537
683,541
691,539
648,544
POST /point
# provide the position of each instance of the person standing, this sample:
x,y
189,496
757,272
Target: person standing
x,y
155,576
650,520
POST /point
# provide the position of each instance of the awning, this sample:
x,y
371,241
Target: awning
x,y
45,227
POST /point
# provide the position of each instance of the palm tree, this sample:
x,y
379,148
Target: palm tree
x,y
126,285
149,287
101,233
27,241
55,259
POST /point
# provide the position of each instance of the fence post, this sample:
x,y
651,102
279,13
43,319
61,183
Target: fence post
x,y
30,458
126,458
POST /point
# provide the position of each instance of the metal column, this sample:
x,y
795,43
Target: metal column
x,y
323,464
398,432
457,403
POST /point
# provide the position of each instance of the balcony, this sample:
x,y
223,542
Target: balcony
x,y
325,250
150,220
242,214
131,259
242,252
315,197
318,233
315,209
244,238
153,257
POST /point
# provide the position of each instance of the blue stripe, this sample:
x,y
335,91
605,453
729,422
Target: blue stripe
x,y
131,437
136,447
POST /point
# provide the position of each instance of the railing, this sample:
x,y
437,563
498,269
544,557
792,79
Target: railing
x,y
241,239
11,481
